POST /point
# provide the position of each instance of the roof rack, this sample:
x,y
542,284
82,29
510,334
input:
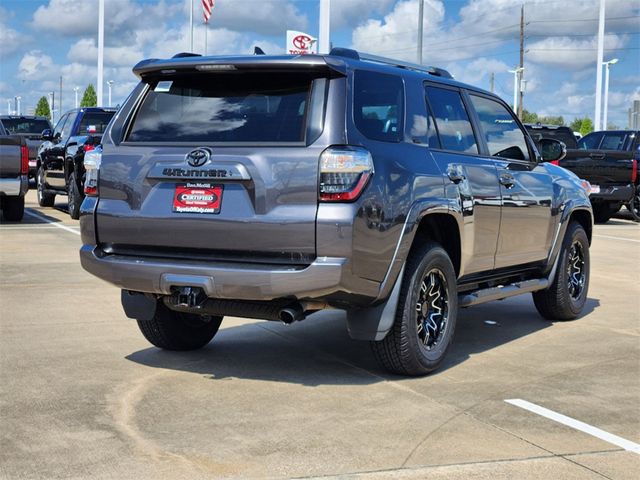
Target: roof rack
x,y
355,55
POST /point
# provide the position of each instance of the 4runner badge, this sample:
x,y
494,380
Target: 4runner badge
x,y
198,157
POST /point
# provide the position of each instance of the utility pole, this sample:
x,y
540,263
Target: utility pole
x,y
60,97
100,50
521,61
598,114
420,28
492,81
324,37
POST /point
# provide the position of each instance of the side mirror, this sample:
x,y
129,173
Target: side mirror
x,y
552,150
47,134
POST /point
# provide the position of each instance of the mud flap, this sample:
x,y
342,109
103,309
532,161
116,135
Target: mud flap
x,y
137,305
374,323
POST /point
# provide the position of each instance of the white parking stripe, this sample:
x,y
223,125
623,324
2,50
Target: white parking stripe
x,y
577,424
46,220
618,238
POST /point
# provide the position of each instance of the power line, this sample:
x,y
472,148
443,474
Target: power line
x,y
583,19
577,49
580,34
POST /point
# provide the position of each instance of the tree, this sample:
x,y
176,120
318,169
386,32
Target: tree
x,y
529,117
576,125
42,108
89,99
586,126
532,117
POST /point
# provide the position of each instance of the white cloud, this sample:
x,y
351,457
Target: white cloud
x,y
355,12
35,65
10,40
569,53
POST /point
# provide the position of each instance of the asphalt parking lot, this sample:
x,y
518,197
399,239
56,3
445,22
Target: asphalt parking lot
x,y
83,395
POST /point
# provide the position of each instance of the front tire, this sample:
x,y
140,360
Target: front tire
x,y
566,296
13,208
75,197
44,199
426,316
171,330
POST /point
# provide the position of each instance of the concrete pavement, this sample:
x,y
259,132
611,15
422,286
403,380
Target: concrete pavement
x,y
83,395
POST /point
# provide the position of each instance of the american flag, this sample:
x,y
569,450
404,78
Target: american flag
x,y
207,7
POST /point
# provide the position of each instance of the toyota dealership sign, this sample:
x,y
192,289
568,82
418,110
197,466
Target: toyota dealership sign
x,y
300,43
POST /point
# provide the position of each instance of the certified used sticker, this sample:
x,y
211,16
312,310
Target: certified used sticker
x,y
197,198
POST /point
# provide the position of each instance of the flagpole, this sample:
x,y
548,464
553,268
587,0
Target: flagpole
x,y
191,24
100,50
206,28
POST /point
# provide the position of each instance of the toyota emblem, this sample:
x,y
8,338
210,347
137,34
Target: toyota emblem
x,y
198,157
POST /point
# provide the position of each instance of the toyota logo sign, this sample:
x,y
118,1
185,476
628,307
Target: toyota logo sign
x,y
198,157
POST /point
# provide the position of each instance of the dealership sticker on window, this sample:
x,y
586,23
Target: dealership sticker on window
x,y
197,198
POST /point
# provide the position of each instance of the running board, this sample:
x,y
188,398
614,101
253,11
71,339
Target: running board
x,y
503,291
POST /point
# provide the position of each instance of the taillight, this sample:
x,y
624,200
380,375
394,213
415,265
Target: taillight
x,y
634,170
24,160
344,172
92,160
555,162
88,148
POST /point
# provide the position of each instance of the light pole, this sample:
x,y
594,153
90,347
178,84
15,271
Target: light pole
x,y
516,82
109,83
75,90
8,106
18,98
606,91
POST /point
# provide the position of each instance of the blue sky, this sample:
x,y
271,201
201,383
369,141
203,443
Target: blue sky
x,y
41,40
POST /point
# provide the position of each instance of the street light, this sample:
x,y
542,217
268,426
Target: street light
x,y
606,91
110,82
18,98
516,77
75,90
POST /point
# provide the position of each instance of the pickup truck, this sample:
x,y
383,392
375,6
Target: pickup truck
x,y
60,169
272,187
14,171
556,132
609,161
30,128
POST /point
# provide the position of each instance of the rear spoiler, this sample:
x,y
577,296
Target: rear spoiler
x,y
196,63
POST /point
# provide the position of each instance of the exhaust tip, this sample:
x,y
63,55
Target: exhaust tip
x,y
291,314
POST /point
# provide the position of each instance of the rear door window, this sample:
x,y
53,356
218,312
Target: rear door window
x,y
452,120
591,141
504,137
378,105
251,107
613,141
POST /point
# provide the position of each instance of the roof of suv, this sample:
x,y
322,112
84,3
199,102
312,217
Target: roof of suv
x,y
339,60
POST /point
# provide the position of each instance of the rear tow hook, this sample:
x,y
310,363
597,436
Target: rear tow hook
x,y
188,297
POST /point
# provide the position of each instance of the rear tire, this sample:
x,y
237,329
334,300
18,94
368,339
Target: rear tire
x,y
426,316
565,298
75,197
171,330
44,199
634,205
13,208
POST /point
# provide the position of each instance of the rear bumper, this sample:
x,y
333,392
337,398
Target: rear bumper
x,y
14,187
228,281
616,193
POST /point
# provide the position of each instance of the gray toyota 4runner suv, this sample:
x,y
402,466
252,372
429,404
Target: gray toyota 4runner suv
x,y
273,187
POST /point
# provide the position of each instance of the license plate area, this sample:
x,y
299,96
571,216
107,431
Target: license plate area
x,y
197,197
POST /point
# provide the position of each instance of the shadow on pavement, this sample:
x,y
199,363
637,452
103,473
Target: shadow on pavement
x,y
318,351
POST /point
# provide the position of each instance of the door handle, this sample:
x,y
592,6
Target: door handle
x,y
455,173
507,180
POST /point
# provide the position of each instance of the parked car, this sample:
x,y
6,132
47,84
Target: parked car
x,y
609,161
273,187
14,174
60,157
30,128
557,132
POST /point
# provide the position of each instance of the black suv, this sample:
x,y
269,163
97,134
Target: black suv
x,y
60,169
273,187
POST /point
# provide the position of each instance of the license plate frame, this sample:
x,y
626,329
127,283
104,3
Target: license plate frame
x,y
197,197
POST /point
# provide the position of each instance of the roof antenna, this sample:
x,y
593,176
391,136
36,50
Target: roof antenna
x,y
258,51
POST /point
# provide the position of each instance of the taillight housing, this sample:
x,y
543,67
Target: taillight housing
x,y
344,173
92,160
634,170
24,159
88,148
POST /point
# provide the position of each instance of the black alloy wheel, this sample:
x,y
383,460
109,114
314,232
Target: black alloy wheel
x,y
432,309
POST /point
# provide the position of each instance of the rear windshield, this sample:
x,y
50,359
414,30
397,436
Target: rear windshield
x,y
94,122
564,135
25,125
259,107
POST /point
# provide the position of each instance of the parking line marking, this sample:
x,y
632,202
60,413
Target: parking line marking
x,y
46,220
618,238
577,424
